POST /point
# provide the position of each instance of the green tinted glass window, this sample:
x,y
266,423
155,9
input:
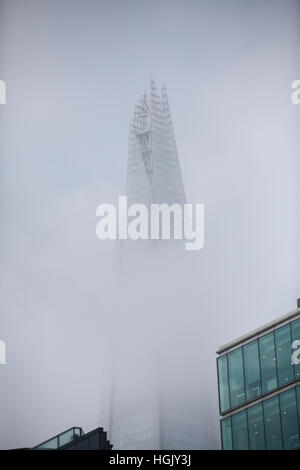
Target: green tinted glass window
x,y
252,370
295,326
284,355
268,362
289,420
272,424
256,428
236,377
298,403
223,383
240,431
226,434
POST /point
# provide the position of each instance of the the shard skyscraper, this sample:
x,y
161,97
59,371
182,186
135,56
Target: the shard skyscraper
x,y
153,172
150,404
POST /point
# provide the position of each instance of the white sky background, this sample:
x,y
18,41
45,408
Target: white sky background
x,y
74,70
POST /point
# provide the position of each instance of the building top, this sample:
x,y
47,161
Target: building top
x,y
153,168
75,439
259,331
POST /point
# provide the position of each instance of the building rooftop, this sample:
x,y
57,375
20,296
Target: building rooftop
x,y
75,439
259,331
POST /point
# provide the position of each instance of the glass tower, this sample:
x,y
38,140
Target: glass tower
x,y
153,170
146,409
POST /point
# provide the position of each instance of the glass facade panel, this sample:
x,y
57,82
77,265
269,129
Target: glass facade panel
x,y
268,362
284,355
256,428
255,369
272,424
226,434
61,439
258,367
289,420
240,431
236,377
223,383
298,404
252,370
66,437
51,444
295,326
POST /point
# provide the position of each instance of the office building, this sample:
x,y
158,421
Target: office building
x,y
146,408
259,387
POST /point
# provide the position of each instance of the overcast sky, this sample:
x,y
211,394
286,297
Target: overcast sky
x,y
74,71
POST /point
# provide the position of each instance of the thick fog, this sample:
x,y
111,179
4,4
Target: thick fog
x,y
75,312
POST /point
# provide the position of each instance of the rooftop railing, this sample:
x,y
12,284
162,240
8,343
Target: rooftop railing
x,y
61,439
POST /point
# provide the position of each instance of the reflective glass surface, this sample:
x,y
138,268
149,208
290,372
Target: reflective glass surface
x,y
236,377
223,383
273,424
226,434
61,439
295,327
268,362
240,431
283,343
256,428
259,367
252,370
289,420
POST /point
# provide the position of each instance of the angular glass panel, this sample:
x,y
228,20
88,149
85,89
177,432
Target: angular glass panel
x,y
223,383
252,370
66,437
284,355
295,326
51,444
272,424
268,362
236,377
256,428
61,439
289,420
240,431
226,434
